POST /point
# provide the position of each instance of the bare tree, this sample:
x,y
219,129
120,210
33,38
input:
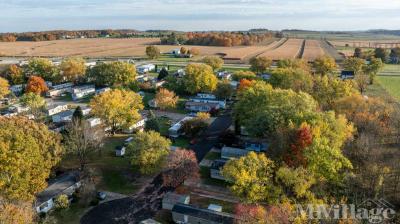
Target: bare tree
x,y
82,139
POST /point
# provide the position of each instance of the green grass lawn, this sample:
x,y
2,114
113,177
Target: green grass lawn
x,y
391,85
181,142
205,176
147,97
213,155
72,215
390,70
204,202
165,124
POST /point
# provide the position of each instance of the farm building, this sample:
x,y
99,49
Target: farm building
x,y
170,199
175,131
175,51
65,184
182,213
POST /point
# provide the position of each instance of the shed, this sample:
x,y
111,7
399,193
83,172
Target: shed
x,y
120,151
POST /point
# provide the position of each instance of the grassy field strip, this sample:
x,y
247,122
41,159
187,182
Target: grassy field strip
x,y
389,79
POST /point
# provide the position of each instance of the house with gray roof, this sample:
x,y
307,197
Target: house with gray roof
x,y
65,184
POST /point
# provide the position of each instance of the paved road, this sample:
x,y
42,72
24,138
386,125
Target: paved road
x,y
210,136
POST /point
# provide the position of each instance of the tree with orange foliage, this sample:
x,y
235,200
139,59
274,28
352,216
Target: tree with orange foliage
x,y
182,165
36,85
302,139
245,83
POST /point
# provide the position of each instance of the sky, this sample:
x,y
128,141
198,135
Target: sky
x,y
196,15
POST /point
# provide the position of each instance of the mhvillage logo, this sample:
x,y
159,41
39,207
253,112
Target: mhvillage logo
x,y
371,211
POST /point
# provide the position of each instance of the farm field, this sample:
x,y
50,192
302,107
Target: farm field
x,y
245,53
366,43
312,50
135,47
389,79
290,49
96,47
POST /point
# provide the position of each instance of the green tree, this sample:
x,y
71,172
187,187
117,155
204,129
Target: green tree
x,y
73,69
252,178
260,64
296,183
328,89
4,88
224,90
354,64
294,64
239,75
117,108
213,61
325,65
35,102
163,74
194,126
41,67
28,152
382,54
113,74
152,52
78,114
148,152
324,156
15,75
288,78
261,109
373,68
358,53
61,202
199,78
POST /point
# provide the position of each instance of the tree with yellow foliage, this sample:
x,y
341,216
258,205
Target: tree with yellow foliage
x,y
4,87
117,108
324,65
200,78
166,99
72,69
28,151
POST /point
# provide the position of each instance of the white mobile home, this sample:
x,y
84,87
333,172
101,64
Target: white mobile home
x,y
175,131
66,184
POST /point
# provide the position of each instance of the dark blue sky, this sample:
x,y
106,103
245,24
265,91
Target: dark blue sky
x,y
35,15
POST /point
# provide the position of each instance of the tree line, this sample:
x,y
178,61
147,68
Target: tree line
x,y
226,39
